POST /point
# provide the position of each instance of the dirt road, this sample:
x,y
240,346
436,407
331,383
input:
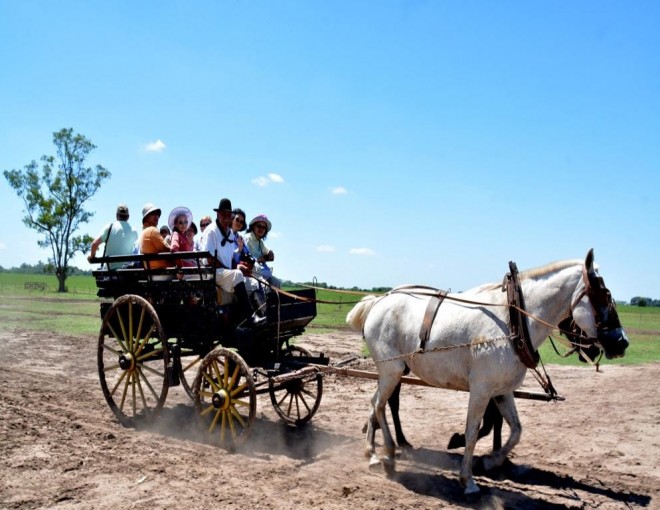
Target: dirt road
x,y
61,447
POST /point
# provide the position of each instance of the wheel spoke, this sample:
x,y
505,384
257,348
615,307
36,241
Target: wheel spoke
x,y
211,382
150,354
233,377
206,411
238,390
146,381
302,399
117,338
145,340
239,418
128,339
152,370
121,377
123,396
192,364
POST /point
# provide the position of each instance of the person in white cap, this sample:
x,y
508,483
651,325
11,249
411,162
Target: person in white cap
x,y
220,240
150,239
259,227
118,236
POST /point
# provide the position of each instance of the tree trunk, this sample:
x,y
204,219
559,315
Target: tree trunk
x,y
61,278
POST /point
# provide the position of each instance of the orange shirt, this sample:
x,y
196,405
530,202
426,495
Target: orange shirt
x,y
152,242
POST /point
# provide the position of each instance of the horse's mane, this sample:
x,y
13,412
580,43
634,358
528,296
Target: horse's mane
x,y
528,274
552,267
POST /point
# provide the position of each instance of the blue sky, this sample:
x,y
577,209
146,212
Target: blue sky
x,y
389,142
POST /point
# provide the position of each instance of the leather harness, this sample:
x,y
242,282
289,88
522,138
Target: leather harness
x,y
519,330
517,320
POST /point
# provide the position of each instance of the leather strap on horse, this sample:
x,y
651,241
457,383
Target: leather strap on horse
x,y
429,316
518,320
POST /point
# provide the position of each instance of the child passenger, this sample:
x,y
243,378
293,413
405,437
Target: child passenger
x,y
179,220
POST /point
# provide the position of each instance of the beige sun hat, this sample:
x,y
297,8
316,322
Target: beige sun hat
x,y
178,211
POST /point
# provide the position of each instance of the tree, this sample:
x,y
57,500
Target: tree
x,y
55,197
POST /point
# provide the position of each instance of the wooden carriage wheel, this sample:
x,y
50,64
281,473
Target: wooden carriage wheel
x,y
297,400
132,360
225,397
189,365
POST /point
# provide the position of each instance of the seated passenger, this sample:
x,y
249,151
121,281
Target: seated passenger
x,y
150,239
118,236
238,224
179,220
220,240
256,234
203,223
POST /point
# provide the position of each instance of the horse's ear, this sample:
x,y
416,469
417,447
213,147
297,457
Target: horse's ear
x,y
589,261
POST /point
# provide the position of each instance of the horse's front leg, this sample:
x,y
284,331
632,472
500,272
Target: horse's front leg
x,y
476,407
507,406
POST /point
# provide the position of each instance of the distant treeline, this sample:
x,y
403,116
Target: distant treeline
x,y
41,268
644,301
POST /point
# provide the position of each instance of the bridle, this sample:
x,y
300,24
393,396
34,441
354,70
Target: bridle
x,y
603,307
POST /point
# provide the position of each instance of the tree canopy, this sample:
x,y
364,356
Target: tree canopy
x,y
55,195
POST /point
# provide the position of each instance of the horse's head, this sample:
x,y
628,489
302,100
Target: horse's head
x,y
593,315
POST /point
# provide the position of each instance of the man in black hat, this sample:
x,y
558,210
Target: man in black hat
x,y
220,240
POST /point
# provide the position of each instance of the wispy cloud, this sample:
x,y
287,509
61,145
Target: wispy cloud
x,y
274,235
362,251
262,181
326,248
157,146
3,246
339,190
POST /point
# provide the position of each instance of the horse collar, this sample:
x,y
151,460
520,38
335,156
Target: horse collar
x,y
518,322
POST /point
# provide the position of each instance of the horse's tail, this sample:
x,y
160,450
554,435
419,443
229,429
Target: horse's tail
x,y
358,314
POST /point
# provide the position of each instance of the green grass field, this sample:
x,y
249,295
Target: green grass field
x,y
77,313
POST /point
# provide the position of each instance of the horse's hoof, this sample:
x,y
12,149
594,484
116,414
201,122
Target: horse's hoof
x,y
374,463
456,441
471,489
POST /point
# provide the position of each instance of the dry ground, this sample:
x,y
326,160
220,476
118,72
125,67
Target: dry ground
x,y
61,447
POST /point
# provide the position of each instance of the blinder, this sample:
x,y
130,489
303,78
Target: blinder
x,y
610,336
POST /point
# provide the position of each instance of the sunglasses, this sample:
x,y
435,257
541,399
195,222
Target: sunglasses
x,y
260,225
204,224
182,222
239,220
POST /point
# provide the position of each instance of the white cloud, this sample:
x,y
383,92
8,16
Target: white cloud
x,y
157,146
274,235
362,251
325,248
3,246
260,181
265,181
339,190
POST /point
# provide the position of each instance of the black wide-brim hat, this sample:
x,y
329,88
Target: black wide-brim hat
x,y
225,205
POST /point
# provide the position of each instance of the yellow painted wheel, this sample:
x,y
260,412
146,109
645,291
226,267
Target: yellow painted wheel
x,y
132,360
296,401
225,397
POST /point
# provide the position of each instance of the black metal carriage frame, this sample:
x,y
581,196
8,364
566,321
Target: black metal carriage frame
x,y
164,327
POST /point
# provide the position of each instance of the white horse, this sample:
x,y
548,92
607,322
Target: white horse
x,y
469,346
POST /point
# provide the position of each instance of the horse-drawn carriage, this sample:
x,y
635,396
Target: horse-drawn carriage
x,y
165,328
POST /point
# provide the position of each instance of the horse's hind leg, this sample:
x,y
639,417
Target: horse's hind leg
x,y
388,378
492,421
507,406
393,402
